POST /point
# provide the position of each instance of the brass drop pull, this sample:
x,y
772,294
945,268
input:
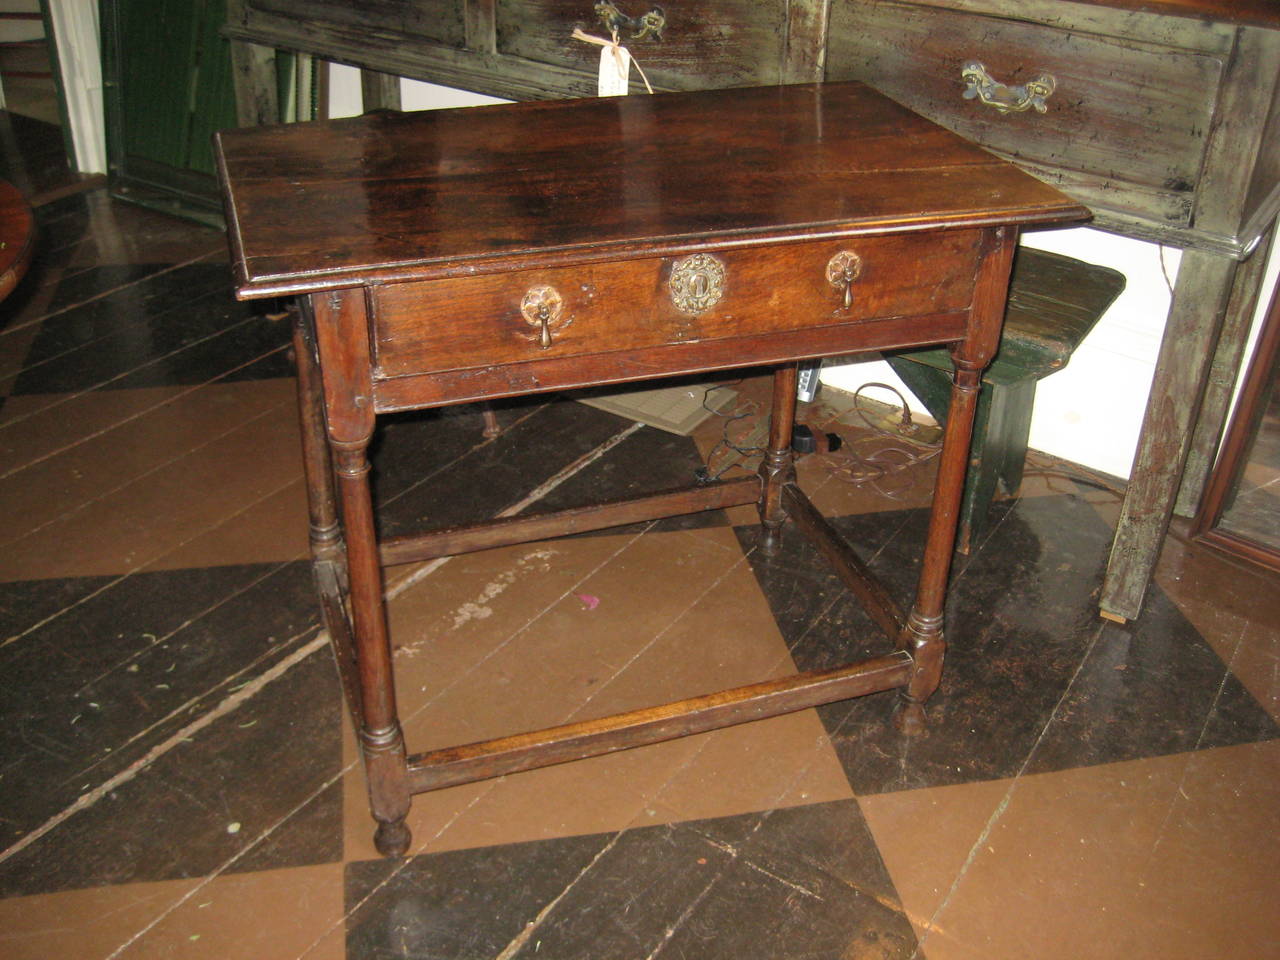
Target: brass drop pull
x,y
541,307
981,86
842,270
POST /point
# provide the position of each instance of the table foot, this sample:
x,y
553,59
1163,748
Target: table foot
x,y
392,839
770,539
922,638
491,426
909,718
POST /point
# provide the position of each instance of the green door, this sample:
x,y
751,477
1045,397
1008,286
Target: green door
x,y
167,71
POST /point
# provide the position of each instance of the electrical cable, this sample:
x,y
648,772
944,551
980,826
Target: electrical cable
x,y
869,461
748,408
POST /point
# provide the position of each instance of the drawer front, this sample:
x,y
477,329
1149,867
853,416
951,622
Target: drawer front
x,y
1125,127
712,43
439,21
633,305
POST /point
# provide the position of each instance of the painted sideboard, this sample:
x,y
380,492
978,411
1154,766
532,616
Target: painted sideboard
x,y
1162,116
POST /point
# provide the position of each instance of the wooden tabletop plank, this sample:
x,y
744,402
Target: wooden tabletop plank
x,y
442,193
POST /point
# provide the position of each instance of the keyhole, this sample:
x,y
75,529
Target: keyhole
x,y
699,284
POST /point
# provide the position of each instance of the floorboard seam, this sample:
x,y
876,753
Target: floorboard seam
x,y
233,701
196,700
209,441
88,344
67,397
144,566
229,863
441,468
736,565
1003,805
675,772
348,913
106,293
525,935
533,496
684,916
133,416
1186,766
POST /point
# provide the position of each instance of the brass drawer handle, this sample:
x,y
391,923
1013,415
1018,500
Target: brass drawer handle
x,y
650,24
986,89
541,307
697,283
842,270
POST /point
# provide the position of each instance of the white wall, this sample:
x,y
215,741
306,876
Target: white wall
x,y
1090,412
344,94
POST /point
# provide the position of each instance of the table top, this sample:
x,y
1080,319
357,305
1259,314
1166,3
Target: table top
x,y
17,237
393,197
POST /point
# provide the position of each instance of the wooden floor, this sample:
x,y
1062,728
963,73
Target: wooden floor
x,y
177,778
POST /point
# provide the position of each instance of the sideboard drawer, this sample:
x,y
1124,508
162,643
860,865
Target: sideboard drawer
x,y
608,307
712,43
1125,127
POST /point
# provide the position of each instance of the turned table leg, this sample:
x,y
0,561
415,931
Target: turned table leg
x,y
328,551
341,331
778,466
922,635
381,740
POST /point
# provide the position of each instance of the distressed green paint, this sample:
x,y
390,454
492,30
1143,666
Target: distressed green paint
x,y
1054,302
1186,351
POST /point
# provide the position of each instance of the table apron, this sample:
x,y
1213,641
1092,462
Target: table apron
x,y
445,387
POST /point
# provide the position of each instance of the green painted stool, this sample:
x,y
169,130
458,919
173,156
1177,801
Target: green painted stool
x,y
1054,301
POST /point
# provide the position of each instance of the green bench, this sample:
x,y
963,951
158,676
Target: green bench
x,y
1054,301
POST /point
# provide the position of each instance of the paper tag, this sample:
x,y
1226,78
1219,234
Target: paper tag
x,y
615,72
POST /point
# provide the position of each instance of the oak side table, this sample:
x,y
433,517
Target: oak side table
x,y
455,256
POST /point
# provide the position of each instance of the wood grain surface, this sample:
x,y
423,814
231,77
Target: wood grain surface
x,y
456,193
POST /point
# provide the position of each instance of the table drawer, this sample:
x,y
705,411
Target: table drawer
x,y
1125,126
713,43
607,307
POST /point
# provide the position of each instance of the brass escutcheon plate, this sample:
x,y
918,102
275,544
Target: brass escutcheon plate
x,y
697,283
843,268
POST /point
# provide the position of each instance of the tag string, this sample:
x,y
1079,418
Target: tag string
x,y
616,47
